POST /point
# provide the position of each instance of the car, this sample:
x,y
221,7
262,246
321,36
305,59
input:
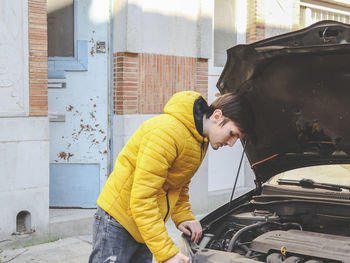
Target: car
x,y
298,85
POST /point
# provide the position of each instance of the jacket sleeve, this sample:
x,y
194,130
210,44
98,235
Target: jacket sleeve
x,y
156,154
182,211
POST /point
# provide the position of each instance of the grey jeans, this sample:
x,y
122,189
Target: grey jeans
x,y
112,243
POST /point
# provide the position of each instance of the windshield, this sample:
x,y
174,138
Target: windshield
x,y
330,174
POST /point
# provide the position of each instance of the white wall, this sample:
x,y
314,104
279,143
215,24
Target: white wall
x,y
223,164
14,92
278,17
24,146
24,173
180,28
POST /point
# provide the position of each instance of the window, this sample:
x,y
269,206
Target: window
x,y
225,35
60,16
65,51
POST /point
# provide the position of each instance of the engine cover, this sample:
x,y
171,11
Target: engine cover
x,y
310,244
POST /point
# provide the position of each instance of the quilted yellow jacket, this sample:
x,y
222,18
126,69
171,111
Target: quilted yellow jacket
x,y
152,173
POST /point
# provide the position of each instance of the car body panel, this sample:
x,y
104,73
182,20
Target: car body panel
x,y
298,86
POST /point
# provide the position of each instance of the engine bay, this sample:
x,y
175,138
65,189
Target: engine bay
x,y
293,231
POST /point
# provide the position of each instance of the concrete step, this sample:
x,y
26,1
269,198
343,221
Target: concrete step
x,y
71,222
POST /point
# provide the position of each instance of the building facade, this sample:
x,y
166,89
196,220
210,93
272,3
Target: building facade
x,y
78,77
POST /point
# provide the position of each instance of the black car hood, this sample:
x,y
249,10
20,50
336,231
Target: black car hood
x,y
299,87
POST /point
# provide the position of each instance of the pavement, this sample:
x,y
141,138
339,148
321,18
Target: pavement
x,y
69,249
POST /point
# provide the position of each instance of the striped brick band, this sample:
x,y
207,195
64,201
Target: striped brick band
x,y
143,83
37,16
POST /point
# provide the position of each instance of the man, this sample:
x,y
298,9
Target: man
x,y
152,173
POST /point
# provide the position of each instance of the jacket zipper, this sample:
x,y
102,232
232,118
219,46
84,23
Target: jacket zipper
x,y
168,206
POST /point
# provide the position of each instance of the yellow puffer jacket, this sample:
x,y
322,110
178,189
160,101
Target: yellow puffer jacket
x,y
152,173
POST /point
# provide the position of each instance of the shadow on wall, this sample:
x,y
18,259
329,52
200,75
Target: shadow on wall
x,y
140,29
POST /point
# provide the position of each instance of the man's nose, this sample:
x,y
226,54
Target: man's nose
x,y
231,141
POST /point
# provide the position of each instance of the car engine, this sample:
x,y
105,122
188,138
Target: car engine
x,y
265,236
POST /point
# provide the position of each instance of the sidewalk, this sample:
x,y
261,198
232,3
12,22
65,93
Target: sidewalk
x,y
69,250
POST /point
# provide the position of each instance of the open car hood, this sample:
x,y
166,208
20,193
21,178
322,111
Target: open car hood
x,y
299,87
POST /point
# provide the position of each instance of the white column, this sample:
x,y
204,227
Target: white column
x,y
14,86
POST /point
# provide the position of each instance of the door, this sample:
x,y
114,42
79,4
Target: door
x,y
78,100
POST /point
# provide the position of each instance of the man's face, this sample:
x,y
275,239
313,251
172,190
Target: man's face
x,y
220,135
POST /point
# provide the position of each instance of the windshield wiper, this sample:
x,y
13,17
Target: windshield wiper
x,y
308,183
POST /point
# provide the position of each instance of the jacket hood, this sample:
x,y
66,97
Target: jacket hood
x,y
298,86
181,107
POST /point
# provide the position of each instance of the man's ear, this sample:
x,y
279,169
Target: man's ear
x,y
217,116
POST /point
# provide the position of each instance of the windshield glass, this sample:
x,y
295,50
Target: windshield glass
x,y
331,174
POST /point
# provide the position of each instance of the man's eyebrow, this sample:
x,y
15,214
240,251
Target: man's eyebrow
x,y
235,134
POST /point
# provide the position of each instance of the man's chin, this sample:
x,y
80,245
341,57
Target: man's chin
x,y
214,147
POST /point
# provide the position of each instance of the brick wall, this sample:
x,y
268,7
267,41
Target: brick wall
x,y
143,83
37,16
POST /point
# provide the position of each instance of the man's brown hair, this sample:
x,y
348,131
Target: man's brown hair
x,y
236,108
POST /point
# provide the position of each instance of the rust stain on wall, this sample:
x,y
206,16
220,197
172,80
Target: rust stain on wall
x,y
86,128
69,108
62,155
65,156
69,156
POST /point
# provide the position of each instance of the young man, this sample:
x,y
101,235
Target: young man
x,y
152,173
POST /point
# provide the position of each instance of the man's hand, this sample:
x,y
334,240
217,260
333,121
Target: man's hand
x,y
178,258
191,228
